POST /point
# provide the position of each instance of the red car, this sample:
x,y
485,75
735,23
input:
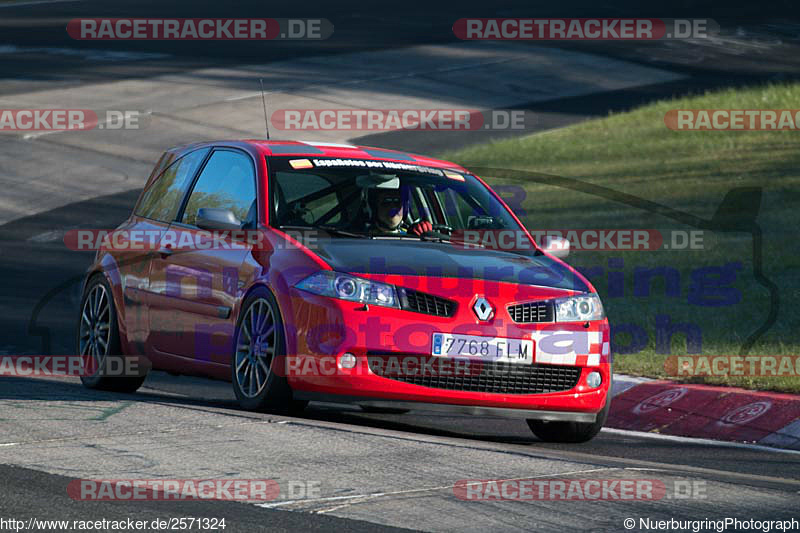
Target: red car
x,y
316,271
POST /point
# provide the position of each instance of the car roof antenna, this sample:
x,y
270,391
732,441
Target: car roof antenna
x,y
264,103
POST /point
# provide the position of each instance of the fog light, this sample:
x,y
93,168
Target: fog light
x,y
594,379
347,360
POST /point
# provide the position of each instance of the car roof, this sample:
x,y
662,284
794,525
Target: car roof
x,y
327,149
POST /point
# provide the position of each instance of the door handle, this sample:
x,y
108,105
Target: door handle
x,y
165,251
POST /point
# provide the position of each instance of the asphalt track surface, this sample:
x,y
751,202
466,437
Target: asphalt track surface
x,y
371,460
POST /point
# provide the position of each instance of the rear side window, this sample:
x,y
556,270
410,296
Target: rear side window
x,y
162,199
227,181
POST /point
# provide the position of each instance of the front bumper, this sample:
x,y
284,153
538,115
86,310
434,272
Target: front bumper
x,y
321,329
472,410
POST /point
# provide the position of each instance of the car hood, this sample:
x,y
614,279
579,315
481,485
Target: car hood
x,y
434,259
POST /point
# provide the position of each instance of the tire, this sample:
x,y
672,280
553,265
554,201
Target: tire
x,y
383,410
572,432
258,344
98,339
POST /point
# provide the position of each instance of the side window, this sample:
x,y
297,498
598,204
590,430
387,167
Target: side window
x,y
227,182
162,199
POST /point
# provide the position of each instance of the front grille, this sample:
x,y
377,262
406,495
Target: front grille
x,y
420,302
475,376
530,312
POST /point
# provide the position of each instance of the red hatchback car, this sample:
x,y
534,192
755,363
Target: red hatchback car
x,y
317,271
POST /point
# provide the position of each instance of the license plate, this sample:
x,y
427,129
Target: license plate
x,y
483,348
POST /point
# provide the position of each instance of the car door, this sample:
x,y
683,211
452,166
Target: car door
x,y
195,280
157,207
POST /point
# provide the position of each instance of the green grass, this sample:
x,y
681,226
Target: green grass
x,y
635,153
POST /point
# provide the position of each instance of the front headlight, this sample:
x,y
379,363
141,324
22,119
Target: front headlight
x,y
351,288
579,308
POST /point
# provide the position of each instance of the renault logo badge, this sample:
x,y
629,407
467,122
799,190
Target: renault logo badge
x,y
483,309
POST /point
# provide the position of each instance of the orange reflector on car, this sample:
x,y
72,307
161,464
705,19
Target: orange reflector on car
x,y
454,175
301,163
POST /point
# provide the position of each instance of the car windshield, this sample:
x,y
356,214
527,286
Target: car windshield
x,y
367,198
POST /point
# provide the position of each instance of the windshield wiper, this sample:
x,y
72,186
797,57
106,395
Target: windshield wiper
x,y
329,229
441,239
450,240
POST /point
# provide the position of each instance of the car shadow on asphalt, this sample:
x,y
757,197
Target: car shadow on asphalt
x,y
425,423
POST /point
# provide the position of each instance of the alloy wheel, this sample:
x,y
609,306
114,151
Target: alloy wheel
x,y
255,348
95,329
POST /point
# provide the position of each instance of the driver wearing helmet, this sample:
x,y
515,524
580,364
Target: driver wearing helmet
x,y
388,214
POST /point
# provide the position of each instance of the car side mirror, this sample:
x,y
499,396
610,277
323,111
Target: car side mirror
x,y
556,246
214,218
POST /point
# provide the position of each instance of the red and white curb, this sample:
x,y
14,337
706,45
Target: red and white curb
x,y
706,412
